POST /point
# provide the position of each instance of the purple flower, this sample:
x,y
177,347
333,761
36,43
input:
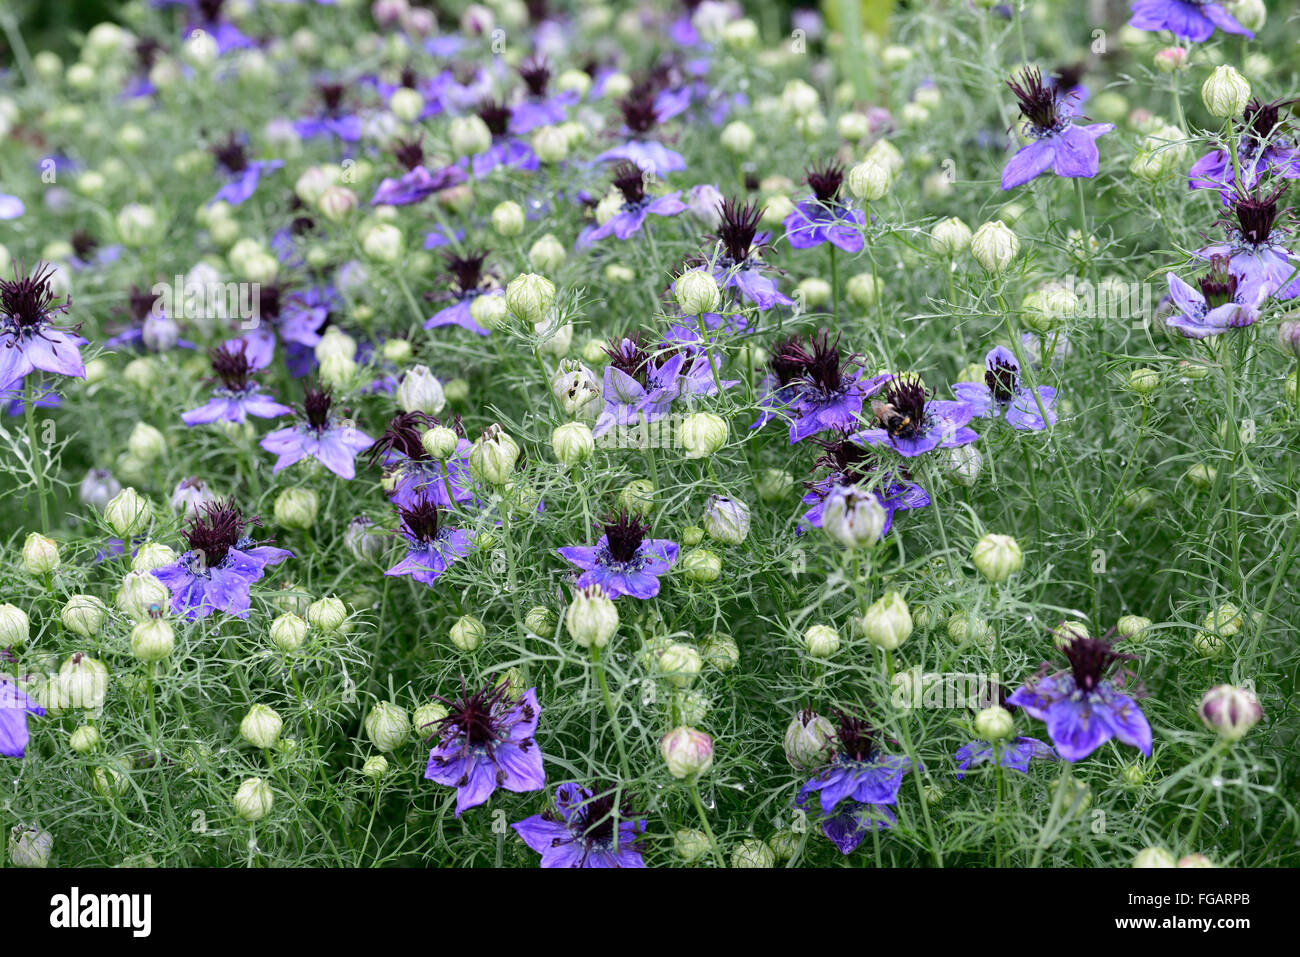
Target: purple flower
x,y
1220,304
151,328
1261,149
486,742
585,830
242,174
849,464
15,706
468,281
332,120
1015,754
431,548
630,181
912,423
221,563
639,384
29,340
643,110
820,391
13,397
824,217
417,183
1058,144
1084,709
1254,246
411,472
1194,20
740,265
320,435
1002,395
624,561
538,109
860,778
236,397
505,150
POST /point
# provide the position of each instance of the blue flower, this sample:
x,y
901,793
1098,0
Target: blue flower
x,y
1220,304
417,183
815,388
332,119
236,397
623,561
630,181
1001,394
740,265
431,547
1193,20
242,174
1262,148
321,436
849,464
1058,143
912,423
824,217
468,281
587,829
29,340
1254,247
1015,754
15,706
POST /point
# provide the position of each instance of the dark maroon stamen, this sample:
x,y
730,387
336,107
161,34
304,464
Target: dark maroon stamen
x,y
1090,659
1039,102
420,520
825,180
146,53
27,300
211,10
231,155
83,244
624,533
269,296
856,737
1257,215
737,227
536,74
627,356
785,363
841,456
1002,380
316,404
331,95
230,363
216,531
638,109
819,362
901,412
141,303
466,269
410,153
403,436
475,716
495,115
1218,286
630,181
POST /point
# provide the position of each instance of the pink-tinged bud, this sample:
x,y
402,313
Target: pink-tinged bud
x,y
1171,59
1230,711
687,752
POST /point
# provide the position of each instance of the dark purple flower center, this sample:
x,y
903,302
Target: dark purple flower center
x,y
316,404
1090,659
466,270
210,9
420,520
146,52
624,533
825,180
231,155
901,411
83,244
27,300
1039,101
738,226
1256,216
410,153
786,366
843,457
638,109
1218,286
856,737
630,181
819,362
230,363
495,115
141,303
331,96
536,74
627,356
216,531
403,435
1002,380
477,716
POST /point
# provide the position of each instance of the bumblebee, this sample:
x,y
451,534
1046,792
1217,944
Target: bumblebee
x,y
891,420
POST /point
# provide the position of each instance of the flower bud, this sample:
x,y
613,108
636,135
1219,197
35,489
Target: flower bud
x,y
852,517
362,541
261,726
128,514
997,557
547,254
1171,59
701,565
1230,711
85,739
142,596
420,391
406,104
687,752
573,444
550,144
467,633
152,640
887,623
84,615
530,297
809,741
950,236
863,290
493,456
383,242
1144,381
29,847
1153,857
821,641
638,496
253,800
508,218
690,844
337,203
737,137
387,726
145,442
327,614
679,663
813,292
994,245
425,718
1226,620
288,632
994,723
1225,92
138,225
726,520
697,292
869,181
591,618
82,682
15,628
296,508
751,852
190,495
1132,627
469,135
702,434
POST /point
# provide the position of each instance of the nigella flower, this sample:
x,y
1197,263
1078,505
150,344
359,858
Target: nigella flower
x,y
586,829
431,548
1194,20
538,109
151,328
825,392
1254,246
629,180
1014,754
220,565
638,383
411,472
235,397
624,561
206,15
485,742
320,435
862,779
1058,143
417,183
849,464
913,423
29,339
1083,708
740,265
1262,148
823,217
15,706
1221,303
642,112
468,282
506,150
1002,395
332,119
242,174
